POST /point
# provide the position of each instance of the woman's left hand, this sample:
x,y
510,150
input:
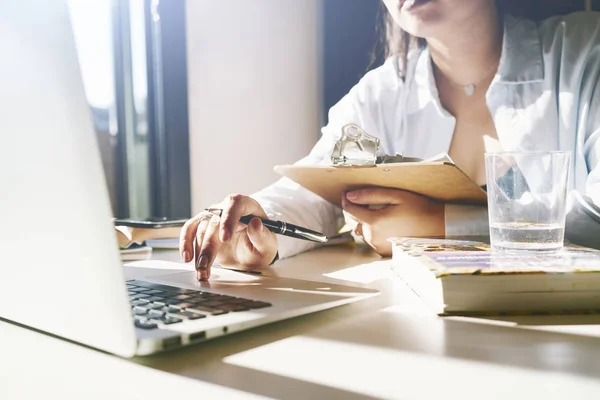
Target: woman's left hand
x,y
380,213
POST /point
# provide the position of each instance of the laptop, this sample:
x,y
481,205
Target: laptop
x,y
60,271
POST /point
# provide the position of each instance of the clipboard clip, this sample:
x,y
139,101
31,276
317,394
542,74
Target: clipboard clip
x,y
357,148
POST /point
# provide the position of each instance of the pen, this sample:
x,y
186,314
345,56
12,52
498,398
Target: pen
x,y
280,227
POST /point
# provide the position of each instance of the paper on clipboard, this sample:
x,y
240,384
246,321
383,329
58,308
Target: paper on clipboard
x,y
438,178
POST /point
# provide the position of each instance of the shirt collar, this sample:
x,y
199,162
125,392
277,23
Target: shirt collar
x,y
424,81
520,61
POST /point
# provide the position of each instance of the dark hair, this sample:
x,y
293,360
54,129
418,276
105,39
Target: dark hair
x,y
393,41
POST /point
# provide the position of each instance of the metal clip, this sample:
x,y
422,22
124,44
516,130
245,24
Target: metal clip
x,y
357,147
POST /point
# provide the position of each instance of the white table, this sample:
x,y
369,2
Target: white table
x,y
389,346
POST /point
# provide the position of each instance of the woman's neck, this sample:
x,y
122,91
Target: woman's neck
x,y
471,51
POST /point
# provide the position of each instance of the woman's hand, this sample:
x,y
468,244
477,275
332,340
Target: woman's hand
x,y
380,213
224,239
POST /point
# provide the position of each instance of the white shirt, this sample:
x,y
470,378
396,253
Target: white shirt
x,y
544,96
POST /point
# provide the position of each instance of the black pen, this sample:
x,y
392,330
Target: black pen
x,y
280,227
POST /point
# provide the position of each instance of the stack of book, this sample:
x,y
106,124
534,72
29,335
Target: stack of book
x,y
137,238
466,278
135,252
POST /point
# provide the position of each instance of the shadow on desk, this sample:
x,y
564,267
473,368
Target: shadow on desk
x,y
208,361
290,362
388,347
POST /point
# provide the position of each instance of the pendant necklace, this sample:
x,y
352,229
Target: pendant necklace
x,y
470,88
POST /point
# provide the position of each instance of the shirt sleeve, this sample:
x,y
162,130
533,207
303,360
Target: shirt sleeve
x,y
466,220
580,227
287,201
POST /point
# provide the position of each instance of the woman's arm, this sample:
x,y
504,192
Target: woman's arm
x,y
466,220
288,201
583,221
581,228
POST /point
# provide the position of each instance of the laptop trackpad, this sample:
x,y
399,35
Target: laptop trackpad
x,y
252,286
182,274
148,268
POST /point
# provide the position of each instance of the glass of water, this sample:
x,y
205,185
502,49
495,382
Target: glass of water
x,y
527,194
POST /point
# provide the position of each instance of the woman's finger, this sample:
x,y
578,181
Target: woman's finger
x,y
209,247
260,237
186,238
236,206
259,245
200,232
359,213
380,196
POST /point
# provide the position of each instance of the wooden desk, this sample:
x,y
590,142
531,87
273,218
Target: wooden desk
x,y
385,347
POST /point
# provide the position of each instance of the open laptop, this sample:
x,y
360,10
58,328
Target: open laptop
x,y
60,270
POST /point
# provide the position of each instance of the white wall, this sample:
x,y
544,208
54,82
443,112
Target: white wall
x,y
254,91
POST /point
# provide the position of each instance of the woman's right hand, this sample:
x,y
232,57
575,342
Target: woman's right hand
x,y
208,237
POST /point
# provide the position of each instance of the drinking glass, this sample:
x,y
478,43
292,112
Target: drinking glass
x,y
527,200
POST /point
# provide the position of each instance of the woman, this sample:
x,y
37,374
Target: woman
x,y
476,80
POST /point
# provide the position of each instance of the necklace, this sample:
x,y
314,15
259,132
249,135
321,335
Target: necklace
x,y
470,88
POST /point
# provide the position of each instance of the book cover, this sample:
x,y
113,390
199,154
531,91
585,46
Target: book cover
x,y
127,235
464,257
466,277
135,252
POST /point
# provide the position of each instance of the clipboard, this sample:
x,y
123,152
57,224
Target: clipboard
x,y
438,180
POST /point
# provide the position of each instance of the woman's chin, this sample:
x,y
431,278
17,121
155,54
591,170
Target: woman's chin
x,y
422,24
417,26
420,18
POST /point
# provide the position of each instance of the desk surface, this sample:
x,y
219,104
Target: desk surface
x,y
389,346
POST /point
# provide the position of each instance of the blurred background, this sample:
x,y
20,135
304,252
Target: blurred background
x,y
193,100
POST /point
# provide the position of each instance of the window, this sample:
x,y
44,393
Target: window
x,y
142,138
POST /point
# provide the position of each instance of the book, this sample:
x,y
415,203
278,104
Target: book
x,y
135,252
167,243
126,235
464,277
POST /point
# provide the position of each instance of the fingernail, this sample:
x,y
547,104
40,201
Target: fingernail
x,y
186,256
198,275
352,195
201,264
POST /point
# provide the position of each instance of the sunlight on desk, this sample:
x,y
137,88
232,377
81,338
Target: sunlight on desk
x,y
416,308
323,290
584,325
364,273
383,372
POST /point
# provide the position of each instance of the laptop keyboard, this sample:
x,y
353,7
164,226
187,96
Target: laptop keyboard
x,y
154,305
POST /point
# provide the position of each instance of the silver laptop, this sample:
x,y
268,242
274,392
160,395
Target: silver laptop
x,y
60,270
